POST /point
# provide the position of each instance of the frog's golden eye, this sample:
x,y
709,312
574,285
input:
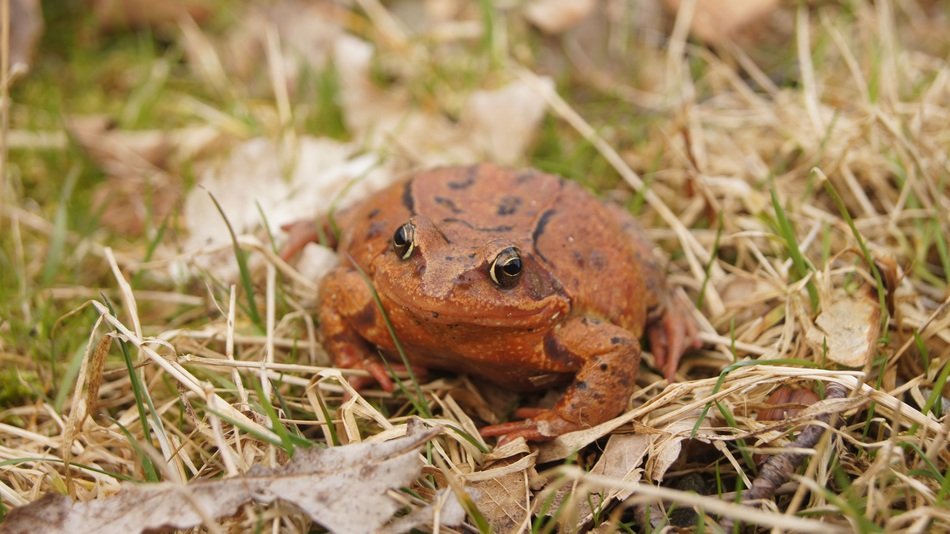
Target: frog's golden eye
x,y
404,241
506,269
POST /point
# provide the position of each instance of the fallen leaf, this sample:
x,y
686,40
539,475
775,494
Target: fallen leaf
x,y
502,498
847,329
341,488
139,186
557,16
786,402
445,509
502,122
26,26
257,177
719,21
307,33
666,447
622,459
496,125
117,14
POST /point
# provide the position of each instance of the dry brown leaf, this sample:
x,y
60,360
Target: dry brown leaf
x,y
137,188
124,152
307,32
786,402
718,21
503,500
26,26
114,14
847,329
557,16
342,488
622,459
666,447
386,119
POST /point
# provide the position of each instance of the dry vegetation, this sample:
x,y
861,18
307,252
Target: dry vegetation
x,y
795,176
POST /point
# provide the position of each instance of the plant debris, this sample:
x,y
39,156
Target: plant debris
x,y
341,488
788,160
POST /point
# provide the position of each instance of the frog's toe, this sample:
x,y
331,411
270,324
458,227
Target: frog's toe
x,y
299,234
671,336
513,430
544,426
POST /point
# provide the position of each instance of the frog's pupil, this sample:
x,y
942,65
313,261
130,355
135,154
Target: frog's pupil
x,y
512,267
400,237
403,240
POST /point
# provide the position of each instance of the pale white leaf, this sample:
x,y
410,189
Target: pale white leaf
x,y
847,329
342,488
557,16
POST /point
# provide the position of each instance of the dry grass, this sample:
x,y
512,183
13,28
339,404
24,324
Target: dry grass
x,y
115,370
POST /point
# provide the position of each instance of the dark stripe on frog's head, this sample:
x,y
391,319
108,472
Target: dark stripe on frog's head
x,y
541,224
408,200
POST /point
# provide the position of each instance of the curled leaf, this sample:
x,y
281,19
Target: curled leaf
x,y
847,329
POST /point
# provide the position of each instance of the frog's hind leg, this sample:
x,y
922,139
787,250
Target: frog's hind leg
x,y
670,327
608,359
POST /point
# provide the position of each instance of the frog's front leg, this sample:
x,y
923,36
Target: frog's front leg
x,y
609,359
346,307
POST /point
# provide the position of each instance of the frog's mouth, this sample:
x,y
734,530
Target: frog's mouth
x,y
512,312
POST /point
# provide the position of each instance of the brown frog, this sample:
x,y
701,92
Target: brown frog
x,y
518,277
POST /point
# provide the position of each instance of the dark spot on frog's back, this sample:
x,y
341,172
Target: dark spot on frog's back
x,y
447,202
597,260
525,177
373,213
466,182
578,258
559,353
376,229
509,205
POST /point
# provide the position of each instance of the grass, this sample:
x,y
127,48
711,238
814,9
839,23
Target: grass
x,y
772,177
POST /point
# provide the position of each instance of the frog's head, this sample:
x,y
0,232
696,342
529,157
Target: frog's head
x,y
468,275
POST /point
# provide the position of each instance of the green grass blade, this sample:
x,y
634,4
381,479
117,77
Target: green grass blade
x,y
787,232
241,258
713,254
57,244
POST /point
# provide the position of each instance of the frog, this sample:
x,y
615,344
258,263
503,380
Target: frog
x,y
514,276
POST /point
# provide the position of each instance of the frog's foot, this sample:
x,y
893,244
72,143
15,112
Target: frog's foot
x,y
379,373
672,335
299,234
544,425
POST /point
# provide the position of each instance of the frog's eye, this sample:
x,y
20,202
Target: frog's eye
x,y
506,269
404,240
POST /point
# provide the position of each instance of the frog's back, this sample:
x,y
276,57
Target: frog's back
x,y
588,248
581,241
